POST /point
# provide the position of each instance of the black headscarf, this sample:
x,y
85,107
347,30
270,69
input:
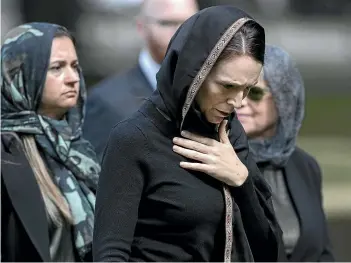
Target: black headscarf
x,y
190,57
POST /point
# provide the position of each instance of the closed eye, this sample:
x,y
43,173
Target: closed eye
x,y
56,68
229,86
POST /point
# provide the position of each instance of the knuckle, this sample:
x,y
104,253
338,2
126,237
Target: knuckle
x,y
229,146
212,170
202,141
215,151
196,155
214,159
197,148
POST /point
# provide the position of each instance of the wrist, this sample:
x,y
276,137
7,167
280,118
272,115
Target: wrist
x,y
239,178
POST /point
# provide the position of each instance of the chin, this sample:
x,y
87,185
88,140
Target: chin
x,y
69,104
251,133
214,120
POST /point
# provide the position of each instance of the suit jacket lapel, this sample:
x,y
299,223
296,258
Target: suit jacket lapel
x,y
299,193
142,81
26,199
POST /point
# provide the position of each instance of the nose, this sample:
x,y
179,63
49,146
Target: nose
x,y
236,100
72,76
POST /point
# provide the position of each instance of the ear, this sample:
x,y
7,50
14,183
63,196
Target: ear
x,y
140,25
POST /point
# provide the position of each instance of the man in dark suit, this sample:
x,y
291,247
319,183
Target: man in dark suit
x,y
117,97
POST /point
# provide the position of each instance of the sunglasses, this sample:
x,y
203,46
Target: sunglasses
x,y
256,93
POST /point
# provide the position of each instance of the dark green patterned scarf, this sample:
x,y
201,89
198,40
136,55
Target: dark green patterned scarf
x,y
25,56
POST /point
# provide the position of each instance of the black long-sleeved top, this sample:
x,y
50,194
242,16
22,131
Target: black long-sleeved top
x,y
150,209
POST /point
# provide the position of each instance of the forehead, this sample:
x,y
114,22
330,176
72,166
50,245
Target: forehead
x,y
242,70
170,8
62,47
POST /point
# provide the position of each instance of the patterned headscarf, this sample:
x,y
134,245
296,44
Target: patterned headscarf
x,y
286,85
25,56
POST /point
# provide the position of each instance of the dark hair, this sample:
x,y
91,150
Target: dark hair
x,y
249,40
63,32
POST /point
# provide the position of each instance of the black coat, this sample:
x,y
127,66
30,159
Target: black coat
x,y
304,182
111,101
150,209
24,224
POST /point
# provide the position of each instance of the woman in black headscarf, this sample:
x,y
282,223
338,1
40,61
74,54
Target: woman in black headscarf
x,y
49,172
272,115
172,186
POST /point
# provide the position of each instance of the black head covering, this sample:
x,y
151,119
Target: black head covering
x,y
191,54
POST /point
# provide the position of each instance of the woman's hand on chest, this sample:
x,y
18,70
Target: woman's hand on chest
x,y
216,158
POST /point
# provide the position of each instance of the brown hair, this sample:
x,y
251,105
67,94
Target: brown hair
x,y
249,40
63,32
55,203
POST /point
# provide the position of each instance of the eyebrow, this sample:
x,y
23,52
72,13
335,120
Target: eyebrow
x,y
63,61
235,82
228,81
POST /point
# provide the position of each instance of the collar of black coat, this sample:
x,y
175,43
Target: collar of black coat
x,y
191,54
24,194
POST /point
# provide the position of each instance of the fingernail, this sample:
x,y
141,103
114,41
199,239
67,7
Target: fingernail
x,y
184,133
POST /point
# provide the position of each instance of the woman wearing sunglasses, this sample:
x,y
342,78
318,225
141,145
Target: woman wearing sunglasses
x,y
272,115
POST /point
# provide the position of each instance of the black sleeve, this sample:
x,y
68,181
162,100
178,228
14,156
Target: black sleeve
x,y
256,207
119,191
327,254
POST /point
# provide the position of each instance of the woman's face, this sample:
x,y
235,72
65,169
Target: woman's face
x,y
258,113
61,88
226,86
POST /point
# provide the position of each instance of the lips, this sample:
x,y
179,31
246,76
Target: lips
x,y
225,114
71,92
242,116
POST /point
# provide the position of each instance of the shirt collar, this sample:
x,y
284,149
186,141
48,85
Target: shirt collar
x,y
149,67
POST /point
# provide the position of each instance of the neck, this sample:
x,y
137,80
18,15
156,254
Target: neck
x,y
53,114
196,122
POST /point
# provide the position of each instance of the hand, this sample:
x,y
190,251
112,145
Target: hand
x,y
217,159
